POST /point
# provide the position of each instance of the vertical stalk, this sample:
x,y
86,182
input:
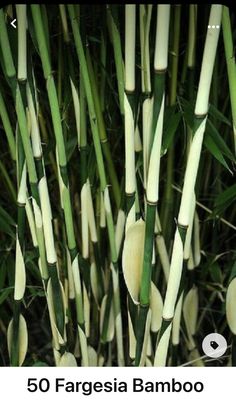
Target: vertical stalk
x,y
116,41
160,66
130,180
102,133
7,127
201,111
102,177
62,169
230,62
167,205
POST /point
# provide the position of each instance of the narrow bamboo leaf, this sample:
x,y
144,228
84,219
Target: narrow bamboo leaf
x,y
5,294
6,223
218,139
188,112
7,126
216,273
171,123
7,217
70,147
233,272
225,199
215,151
214,112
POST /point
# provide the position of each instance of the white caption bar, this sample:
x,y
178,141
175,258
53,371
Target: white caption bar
x,y
118,383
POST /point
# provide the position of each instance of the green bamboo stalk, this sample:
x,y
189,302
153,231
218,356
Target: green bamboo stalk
x,y
102,133
8,181
63,176
87,211
6,48
103,61
7,127
116,41
43,227
80,119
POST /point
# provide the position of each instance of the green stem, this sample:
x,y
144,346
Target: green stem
x,y
102,133
7,127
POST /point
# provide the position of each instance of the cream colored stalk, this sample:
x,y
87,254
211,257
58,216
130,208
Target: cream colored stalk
x,y
22,44
130,179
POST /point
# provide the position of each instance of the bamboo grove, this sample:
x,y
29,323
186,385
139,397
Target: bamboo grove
x,y
117,168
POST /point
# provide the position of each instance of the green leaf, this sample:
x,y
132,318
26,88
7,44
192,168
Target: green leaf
x,y
171,123
6,223
225,199
218,139
7,216
113,8
217,146
188,112
3,271
233,272
214,112
4,294
216,273
70,147
215,151
36,291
